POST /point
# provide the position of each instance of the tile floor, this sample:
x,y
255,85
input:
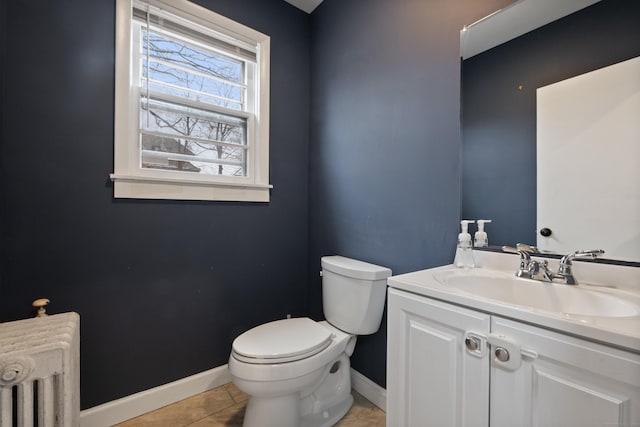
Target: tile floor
x,y
224,406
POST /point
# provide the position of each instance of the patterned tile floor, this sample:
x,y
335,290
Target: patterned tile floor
x,y
224,406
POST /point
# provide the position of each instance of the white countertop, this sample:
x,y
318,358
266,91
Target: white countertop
x,y
619,281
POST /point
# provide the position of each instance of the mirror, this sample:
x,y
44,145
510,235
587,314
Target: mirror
x,y
500,78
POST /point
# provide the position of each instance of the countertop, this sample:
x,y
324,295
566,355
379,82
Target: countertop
x,y
621,332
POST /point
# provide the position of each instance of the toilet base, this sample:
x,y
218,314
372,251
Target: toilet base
x,y
281,411
284,412
329,416
320,405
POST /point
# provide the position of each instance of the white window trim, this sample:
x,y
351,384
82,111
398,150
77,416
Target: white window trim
x,y
130,181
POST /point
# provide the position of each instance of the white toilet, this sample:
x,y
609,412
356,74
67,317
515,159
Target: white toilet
x,y
297,371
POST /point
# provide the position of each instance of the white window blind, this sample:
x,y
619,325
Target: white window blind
x,y
194,111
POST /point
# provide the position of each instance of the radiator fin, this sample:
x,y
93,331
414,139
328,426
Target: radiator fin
x,y
39,372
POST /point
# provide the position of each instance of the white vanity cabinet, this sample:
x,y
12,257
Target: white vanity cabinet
x,y
563,381
432,380
435,378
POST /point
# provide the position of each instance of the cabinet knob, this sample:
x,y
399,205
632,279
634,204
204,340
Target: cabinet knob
x,y
502,354
472,343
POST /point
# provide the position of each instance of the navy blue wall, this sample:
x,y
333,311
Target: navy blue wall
x,y
162,287
385,144
499,121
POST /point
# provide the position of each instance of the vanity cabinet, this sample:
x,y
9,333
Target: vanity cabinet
x,y
563,381
453,366
431,378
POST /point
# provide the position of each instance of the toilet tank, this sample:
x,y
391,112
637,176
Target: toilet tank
x,y
353,294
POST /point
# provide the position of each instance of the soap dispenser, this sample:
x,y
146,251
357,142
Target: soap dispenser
x,y
464,252
480,238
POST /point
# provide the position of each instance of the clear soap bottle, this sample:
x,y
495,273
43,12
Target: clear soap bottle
x,y
464,251
480,238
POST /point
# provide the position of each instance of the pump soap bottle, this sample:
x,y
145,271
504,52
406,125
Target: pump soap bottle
x,y
464,253
480,238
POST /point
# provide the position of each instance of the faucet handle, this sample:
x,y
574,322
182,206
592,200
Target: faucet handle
x,y
525,261
510,249
527,248
524,254
592,253
520,248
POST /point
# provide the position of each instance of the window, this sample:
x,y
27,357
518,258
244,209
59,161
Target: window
x,y
191,104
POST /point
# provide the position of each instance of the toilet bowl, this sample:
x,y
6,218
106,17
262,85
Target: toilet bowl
x,y
284,391
296,372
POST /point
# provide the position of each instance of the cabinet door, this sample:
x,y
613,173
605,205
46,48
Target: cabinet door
x,y
563,381
432,379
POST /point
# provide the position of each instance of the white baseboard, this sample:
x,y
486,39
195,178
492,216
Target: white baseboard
x,y
120,410
132,406
369,389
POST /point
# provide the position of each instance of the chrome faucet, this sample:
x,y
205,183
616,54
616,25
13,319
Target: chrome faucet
x,y
529,268
537,270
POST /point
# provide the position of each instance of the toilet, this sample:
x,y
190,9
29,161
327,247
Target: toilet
x,y
296,371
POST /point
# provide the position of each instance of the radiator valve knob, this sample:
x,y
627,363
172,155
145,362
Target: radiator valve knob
x,y
41,303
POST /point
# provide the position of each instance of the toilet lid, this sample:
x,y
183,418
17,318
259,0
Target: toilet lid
x,y
283,340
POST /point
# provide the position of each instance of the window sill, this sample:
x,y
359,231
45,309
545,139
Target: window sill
x,y
135,187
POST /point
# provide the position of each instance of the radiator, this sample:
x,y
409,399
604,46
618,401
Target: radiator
x,y
39,372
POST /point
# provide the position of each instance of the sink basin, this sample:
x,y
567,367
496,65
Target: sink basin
x,y
551,297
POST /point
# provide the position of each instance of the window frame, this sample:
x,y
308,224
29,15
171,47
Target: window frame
x,y
129,178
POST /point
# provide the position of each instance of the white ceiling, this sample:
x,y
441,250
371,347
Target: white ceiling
x,y
514,20
306,5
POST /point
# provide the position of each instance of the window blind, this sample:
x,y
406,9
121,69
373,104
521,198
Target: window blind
x,y
161,19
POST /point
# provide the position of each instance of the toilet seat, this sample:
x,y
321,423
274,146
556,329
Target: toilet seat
x,y
281,341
